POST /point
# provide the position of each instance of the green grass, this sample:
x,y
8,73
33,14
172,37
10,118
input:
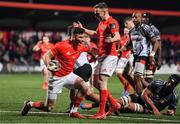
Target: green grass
x,y
15,88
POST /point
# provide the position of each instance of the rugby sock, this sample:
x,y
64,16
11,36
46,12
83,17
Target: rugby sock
x,y
111,99
103,98
77,102
123,81
37,104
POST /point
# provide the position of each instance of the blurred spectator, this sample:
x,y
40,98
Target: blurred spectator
x,y
16,46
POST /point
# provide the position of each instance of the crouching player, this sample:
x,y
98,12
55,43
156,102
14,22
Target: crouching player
x,y
66,53
156,97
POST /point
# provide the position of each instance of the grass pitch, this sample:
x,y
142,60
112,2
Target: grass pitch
x,y
15,88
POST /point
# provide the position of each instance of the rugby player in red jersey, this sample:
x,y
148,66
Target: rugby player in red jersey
x,y
43,46
108,35
65,53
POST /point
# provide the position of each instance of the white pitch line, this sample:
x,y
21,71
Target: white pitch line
x,y
123,117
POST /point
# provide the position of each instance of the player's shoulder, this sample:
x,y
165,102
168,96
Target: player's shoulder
x,y
51,44
155,28
158,82
112,20
132,29
62,42
145,26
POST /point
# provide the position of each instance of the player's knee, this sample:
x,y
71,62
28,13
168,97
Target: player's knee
x,y
119,71
89,92
86,89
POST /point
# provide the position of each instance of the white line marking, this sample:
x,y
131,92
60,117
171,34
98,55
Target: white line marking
x,y
121,116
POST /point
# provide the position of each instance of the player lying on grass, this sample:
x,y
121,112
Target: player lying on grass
x,y
156,97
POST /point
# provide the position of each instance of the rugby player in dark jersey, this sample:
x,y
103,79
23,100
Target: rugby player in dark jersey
x,y
150,69
140,37
156,97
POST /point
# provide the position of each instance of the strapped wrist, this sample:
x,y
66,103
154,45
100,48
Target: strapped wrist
x,y
152,54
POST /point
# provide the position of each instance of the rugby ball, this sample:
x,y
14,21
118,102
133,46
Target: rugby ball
x,y
54,65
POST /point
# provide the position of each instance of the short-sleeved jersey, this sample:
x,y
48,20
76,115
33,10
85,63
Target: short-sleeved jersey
x,y
162,101
45,47
157,35
83,59
106,29
123,42
140,38
67,55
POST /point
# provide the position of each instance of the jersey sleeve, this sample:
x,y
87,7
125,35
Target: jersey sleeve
x,y
56,49
153,86
114,26
157,33
148,31
173,103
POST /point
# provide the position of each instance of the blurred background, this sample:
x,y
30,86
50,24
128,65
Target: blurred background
x,y
24,22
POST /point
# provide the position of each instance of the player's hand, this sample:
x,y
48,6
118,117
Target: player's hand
x,y
75,24
159,63
156,112
152,60
107,40
39,42
78,24
53,65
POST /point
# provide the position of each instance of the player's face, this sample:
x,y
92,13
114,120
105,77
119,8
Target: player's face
x,y
137,18
45,39
79,38
145,20
170,84
99,13
129,24
87,38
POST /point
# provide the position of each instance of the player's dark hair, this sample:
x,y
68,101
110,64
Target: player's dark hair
x,y
78,30
101,5
175,78
128,18
148,15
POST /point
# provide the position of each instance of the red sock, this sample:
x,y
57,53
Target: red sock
x,y
111,99
77,101
123,81
103,99
37,104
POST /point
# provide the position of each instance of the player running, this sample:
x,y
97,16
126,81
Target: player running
x,y
43,46
65,53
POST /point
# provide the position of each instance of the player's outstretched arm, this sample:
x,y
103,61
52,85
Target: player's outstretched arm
x,y
36,47
146,97
88,31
